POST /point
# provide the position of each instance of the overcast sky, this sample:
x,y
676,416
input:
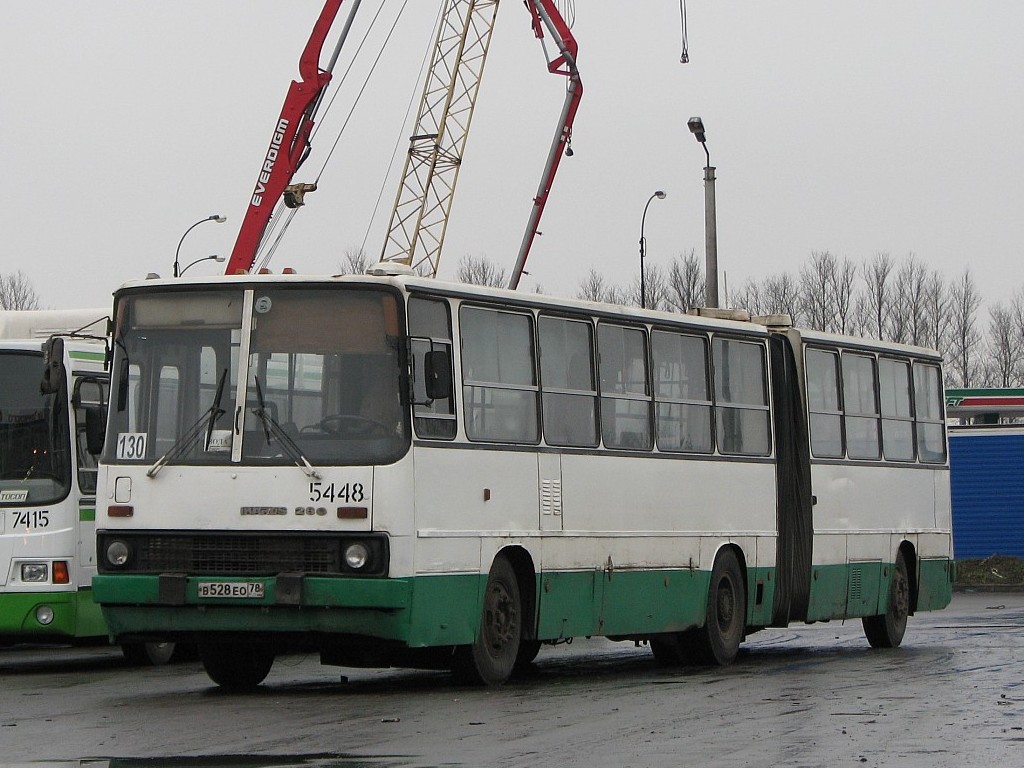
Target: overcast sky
x,y
853,127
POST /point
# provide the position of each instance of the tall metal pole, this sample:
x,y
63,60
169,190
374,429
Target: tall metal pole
x,y
710,238
696,126
643,243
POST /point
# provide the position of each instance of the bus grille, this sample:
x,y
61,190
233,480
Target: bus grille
x,y
236,555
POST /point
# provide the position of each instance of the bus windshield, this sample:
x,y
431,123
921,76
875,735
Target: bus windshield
x,y
319,372
34,440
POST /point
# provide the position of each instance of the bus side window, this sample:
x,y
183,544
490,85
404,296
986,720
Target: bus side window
x,y
825,416
931,438
567,379
499,376
860,404
681,392
625,394
897,417
431,328
741,397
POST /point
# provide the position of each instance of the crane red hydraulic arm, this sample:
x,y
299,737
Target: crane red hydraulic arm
x,y
545,14
289,144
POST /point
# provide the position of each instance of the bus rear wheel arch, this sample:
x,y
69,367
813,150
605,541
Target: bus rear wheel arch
x,y
887,630
718,641
492,657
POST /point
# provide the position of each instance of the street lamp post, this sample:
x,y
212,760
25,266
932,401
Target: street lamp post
x,y
696,126
213,257
215,217
643,244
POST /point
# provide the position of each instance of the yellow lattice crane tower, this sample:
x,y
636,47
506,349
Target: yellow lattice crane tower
x,y
420,216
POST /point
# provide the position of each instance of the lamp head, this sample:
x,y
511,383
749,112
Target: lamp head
x,y
660,195
696,126
218,218
218,258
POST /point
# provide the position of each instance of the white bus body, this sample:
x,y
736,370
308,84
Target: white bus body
x,y
392,470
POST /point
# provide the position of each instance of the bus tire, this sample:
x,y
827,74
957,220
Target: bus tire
x,y
148,654
718,641
886,631
492,656
236,666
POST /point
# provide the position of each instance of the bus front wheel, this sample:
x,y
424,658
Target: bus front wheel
x,y
146,654
236,666
492,657
718,641
886,631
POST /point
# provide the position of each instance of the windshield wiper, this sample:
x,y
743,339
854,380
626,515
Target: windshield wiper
x,y
205,423
271,427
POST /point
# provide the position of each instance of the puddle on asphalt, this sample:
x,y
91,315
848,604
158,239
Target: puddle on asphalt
x,y
229,761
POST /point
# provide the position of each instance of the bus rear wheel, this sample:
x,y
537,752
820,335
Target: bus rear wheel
x,y
886,631
492,657
718,641
236,666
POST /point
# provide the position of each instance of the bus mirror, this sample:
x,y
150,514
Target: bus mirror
x,y
95,428
437,373
53,365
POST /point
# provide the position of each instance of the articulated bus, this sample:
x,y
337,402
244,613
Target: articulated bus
x,y
52,413
391,470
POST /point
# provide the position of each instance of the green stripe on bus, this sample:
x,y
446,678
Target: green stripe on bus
x,y
439,610
87,514
75,615
96,357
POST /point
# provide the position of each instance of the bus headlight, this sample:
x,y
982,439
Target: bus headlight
x,y
36,573
357,556
117,553
44,614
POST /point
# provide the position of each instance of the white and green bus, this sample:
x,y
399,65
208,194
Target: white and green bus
x,y
390,470
50,433
52,416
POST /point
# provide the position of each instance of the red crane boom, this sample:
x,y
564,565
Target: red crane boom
x,y
289,145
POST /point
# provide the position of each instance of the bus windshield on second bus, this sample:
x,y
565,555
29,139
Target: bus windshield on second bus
x,y
389,470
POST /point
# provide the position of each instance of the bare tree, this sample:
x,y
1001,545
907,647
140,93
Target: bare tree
x,y
355,262
595,288
965,337
686,285
876,305
1002,367
937,311
781,295
907,317
817,277
479,270
17,292
655,289
843,292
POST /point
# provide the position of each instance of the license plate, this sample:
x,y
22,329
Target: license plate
x,y
243,589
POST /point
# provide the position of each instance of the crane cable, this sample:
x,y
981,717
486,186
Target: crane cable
x,y
275,219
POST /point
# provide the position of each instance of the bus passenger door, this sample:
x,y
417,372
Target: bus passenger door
x,y
549,487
